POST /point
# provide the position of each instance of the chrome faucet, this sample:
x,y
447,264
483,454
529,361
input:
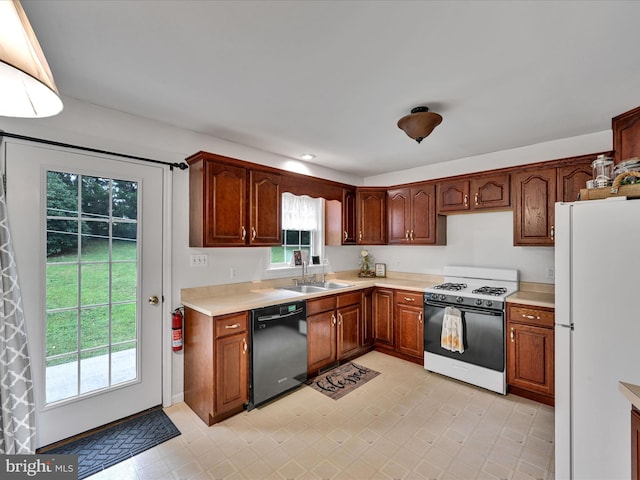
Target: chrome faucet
x,y
304,264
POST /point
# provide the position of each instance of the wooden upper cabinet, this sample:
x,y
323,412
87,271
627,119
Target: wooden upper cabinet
x,y
534,198
477,193
411,216
490,192
230,205
265,202
626,135
371,216
453,196
349,224
217,204
571,178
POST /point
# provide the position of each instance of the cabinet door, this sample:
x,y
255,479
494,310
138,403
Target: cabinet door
x,y
635,444
535,196
232,372
348,330
265,204
399,215
453,196
427,228
410,330
225,191
367,318
349,217
490,192
383,316
371,214
571,179
321,340
626,135
530,359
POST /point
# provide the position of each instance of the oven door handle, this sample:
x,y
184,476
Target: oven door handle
x,y
495,313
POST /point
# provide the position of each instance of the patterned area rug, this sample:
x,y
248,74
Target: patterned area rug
x,y
341,380
119,442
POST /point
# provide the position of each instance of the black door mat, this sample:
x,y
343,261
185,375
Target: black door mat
x,y
119,442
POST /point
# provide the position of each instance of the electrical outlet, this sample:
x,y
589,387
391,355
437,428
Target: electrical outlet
x,y
550,274
233,273
199,260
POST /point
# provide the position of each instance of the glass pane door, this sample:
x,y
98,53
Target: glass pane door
x,y
92,322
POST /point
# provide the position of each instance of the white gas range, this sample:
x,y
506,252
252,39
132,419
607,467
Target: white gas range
x,y
478,294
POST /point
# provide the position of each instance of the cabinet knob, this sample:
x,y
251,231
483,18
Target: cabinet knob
x,y
406,235
243,233
513,335
339,319
253,233
412,235
475,199
466,200
244,346
420,317
360,235
345,236
333,319
553,232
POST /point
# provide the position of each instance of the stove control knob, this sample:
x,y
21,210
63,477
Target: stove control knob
x,y
488,303
459,299
478,301
443,297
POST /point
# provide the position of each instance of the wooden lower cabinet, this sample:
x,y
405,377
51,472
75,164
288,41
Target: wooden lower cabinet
x,y
530,352
635,444
399,323
216,364
333,330
409,323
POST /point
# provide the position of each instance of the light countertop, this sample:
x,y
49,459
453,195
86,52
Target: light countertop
x,y
533,298
631,393
224,299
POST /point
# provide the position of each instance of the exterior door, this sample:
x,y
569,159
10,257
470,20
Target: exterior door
x,y
88,236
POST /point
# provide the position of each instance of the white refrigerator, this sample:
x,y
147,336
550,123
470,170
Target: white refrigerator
x,y
597,336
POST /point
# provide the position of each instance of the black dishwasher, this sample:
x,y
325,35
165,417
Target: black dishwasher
x,y
278,351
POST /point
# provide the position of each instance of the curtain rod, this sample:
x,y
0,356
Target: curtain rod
x,y
181,165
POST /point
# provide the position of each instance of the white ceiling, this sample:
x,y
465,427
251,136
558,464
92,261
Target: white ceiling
x,y
333,77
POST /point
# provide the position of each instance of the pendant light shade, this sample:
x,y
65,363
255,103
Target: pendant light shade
x,y
420,123
27,88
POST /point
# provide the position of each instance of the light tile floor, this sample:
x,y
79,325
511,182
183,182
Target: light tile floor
x,y
406,423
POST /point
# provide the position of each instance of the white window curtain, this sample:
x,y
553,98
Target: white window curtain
x,y
300,212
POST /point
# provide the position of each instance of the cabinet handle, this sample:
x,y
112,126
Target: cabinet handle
x,y
244,346
409,299
420,317
253,233
333,319
235,325
475,198
513,335
466,200
339,319
412,235
553,232
244,233
531,317
406,235
345,236
360,235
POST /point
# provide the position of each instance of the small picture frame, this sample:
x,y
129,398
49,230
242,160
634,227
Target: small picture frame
x,y
381,269
297,257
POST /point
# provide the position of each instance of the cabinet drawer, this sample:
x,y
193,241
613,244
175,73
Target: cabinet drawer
x,y
531,315
351,298
409,298
321,304
231,324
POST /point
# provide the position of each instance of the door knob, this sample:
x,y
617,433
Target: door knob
x,y
154,300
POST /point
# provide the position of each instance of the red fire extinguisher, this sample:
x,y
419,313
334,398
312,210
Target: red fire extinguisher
x,y
176,330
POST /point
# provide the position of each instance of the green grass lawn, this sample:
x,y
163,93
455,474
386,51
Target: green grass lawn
x,y
66,277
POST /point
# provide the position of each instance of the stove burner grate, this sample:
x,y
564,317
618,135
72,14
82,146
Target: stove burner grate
x,y
450,286
495,291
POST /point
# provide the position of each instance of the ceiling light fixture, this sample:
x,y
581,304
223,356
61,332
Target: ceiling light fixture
x,y
420,123
307,156
27,88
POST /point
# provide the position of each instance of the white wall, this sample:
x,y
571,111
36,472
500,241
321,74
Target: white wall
x,y
478,239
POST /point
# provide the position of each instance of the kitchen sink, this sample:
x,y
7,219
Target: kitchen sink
x,y
316,288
